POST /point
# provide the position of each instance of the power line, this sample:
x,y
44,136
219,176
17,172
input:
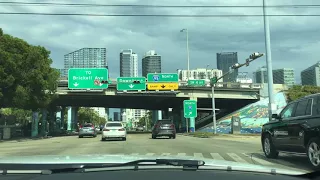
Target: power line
x,y
151,6
158,15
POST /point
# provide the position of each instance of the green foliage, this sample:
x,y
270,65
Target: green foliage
x,y
26,78
89,115
147,119
298,91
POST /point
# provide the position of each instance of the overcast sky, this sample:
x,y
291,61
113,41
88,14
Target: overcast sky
x,y
294,40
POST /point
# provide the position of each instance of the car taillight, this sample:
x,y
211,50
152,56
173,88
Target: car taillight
x,y
122,129
80,127
172,126
106,130
93,127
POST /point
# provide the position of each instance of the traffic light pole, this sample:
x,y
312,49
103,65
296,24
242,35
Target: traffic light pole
x,y
236,66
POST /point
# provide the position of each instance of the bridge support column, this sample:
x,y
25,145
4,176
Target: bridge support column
x,y
107,114
175,116
69,128
165,114
75,118
35,124
192,120
183,122
44,122
63,110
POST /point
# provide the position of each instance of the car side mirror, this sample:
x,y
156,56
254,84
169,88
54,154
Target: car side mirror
x,y
275,116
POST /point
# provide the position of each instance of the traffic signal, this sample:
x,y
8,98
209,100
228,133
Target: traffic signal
x,y
104,82
255,55
136,82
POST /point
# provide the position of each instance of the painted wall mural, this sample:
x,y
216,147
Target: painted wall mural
x,y
252,116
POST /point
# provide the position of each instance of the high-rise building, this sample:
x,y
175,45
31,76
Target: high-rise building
x,y
63,73
261,75
128,63
200,73
224,61
311,75
86,58
151,63
283,76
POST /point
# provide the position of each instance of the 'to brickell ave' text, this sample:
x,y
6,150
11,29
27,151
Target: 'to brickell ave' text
x,y
86,78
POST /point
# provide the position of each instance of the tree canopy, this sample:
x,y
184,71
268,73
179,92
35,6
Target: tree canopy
x,y
298,91
146,120
26,79
89,115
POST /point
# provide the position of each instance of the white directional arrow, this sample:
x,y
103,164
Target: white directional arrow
x,y
131,86
190,113
101,84
76,84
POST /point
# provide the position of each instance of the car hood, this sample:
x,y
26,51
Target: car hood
x,y
113,159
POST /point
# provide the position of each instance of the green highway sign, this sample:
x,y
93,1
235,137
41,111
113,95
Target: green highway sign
x,y
163,77
131,83
190,108
214,80
88,78
196,82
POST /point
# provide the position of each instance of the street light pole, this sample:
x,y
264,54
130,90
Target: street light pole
x,y
269,61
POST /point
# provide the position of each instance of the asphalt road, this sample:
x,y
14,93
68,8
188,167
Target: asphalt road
x,y
244,150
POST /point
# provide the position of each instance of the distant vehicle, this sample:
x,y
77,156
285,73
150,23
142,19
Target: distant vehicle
x,y
114,130
87,129
139,128
164,127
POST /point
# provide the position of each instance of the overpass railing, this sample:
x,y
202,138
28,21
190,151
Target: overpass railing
x,y
228,85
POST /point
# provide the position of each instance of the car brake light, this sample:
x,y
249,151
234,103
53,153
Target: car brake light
x,y
172,126
80,127
106,130
122,129
93,126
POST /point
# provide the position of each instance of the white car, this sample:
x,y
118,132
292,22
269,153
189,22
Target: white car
x,y
114,130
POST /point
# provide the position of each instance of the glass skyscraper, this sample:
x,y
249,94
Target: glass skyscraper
x,y
224,61
151,63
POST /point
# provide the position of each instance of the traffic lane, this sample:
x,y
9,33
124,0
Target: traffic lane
x,y
143,144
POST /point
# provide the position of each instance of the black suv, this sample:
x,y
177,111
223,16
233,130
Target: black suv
x,y
295,129
164,127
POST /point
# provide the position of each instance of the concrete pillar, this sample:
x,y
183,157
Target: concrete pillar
x,y
165,114
159,114
75,118
154,116
183,121
63,110
44,122
35,124
107,114
69,109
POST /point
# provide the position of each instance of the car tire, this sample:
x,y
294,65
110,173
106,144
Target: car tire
x,y
103,139
124,139
313,142
269,148
153,136
173,137
80,136
94,136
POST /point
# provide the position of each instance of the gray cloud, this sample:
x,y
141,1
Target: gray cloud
x,y
294,40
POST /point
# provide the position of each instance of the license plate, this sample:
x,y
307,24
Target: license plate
x,y
165,127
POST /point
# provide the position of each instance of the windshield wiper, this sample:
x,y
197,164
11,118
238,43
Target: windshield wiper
x,y
186,164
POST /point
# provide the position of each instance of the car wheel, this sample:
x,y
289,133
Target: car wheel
x,y
80,136
313,152
103,139
124,139
269,148
94,136
173,137
153,136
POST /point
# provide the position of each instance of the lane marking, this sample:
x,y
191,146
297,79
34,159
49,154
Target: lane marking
x,y
216,156
236,157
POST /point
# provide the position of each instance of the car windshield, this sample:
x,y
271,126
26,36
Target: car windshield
x,y
113,125
193,79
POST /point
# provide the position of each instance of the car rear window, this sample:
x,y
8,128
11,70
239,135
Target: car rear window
x,y
87,125
165,122
113,124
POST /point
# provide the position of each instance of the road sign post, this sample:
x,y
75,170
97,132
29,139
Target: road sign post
x,y
162,81
88,78
131,83
190,111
